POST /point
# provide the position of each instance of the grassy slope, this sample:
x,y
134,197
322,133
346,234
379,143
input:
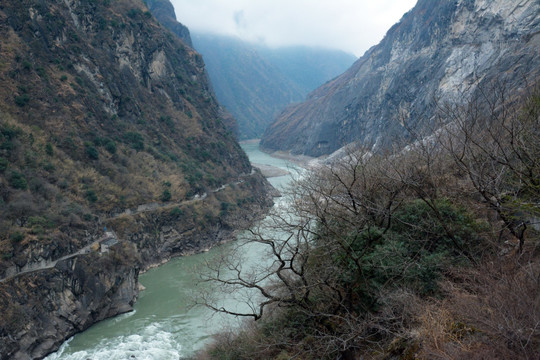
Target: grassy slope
x,y
101,110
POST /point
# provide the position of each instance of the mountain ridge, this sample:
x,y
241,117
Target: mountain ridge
x,y
436,51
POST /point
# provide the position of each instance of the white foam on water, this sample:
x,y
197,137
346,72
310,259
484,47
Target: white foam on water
x,y
121,317
153,343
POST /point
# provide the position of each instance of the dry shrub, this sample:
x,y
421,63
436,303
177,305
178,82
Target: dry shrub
x,y
238,344
399,311
441,336
492,312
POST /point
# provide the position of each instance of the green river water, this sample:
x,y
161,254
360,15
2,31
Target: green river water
x,y
164,325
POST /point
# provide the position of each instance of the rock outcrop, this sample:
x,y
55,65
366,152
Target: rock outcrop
x,y
442,50
164,12
41,309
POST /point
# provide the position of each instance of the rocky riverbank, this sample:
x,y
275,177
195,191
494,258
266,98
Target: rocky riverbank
x,y
42,309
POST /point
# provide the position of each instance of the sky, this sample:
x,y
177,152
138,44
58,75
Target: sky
x,y
350,25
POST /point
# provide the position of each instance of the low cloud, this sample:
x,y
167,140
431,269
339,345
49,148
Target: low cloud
x,y
240,19
350,25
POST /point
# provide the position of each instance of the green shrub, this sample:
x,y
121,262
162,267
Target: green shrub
x,y
91,152
26,65
176,212
110,146
443,228
17,237
48,167
10,132
22,100
7,145
414,252
98,141
167,121
134,12
40,222
91,195
49,149
30,159
3,164
41,72
17,180
166,195
135,140
68,143
225,208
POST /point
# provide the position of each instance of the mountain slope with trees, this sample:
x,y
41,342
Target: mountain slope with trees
x,y
107,122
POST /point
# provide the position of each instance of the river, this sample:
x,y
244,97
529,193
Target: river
x,y
164,325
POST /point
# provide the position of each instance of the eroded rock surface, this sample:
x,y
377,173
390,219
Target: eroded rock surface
x,y
440,50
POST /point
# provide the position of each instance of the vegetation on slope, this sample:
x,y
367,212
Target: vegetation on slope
x,y
428,252
101,110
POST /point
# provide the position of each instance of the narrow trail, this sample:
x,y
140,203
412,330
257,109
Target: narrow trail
x,y
149,207
111,235
50,264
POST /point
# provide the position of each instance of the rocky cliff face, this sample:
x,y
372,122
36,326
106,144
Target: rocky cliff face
x,y
41,309
102,111
163,10
439,50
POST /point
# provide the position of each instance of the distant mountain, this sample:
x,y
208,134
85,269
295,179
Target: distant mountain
x,y
308,67
256,83
439,50
108,125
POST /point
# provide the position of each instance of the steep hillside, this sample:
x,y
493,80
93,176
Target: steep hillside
x,y
256,83
429,253
438,51
107,120
163,11
249,86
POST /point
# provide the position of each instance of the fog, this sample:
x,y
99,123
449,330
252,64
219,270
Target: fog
x,y
350,25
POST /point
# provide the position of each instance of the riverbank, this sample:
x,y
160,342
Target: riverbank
x,y
165,324
269,171
303,161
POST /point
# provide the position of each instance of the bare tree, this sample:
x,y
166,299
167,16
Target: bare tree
x,y
326,247
495,141
372,222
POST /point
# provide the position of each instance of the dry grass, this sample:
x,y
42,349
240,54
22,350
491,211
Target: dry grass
x,y
491,312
